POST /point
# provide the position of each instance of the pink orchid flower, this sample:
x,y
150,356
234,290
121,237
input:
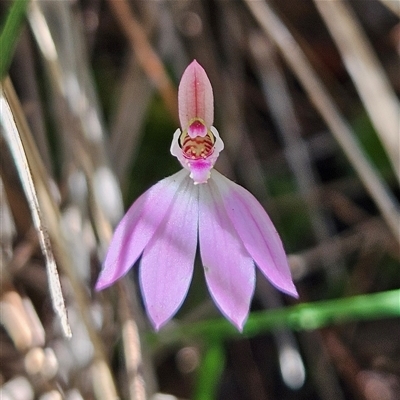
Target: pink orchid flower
x,y
197,204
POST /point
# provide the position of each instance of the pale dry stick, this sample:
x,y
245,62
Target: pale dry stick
x,y
12,136
132,352
319,96
44,40
8,227
77,111
104,379
392,5
240,145
276,93
367,74
28,87
23,252
15,321
62,49
101,225
134,98
82,157
103,231
237,140
147,57
130,333
80,101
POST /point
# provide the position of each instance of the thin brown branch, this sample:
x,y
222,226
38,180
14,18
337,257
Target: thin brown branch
x,y
345,362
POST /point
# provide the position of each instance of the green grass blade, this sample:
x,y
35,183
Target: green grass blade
x,y
10,32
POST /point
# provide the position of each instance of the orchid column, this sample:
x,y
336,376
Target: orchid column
x,y
197,204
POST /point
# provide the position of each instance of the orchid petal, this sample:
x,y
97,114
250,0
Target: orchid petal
x,y
229,269
176,149
166,267
257,232
137,227
195,96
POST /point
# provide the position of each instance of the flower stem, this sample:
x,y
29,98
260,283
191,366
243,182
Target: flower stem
x,y
306,316
210,371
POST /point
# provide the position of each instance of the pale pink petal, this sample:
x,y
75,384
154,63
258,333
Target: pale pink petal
x,y
219,144
229,269
166,267
176,149
257,232
195,96
137,227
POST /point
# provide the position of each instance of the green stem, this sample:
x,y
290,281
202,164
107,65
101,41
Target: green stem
x,y
10,33
209,372
306,316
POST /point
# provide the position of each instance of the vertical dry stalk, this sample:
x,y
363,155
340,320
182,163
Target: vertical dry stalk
x,y
50,211
132,349
103,383
128,122
277,95
319,96
12,136
392,5
367,74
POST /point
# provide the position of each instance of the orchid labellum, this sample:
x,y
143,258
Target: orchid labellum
x,y
197,205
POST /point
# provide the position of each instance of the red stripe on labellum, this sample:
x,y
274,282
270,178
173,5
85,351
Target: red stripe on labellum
x,y
198,147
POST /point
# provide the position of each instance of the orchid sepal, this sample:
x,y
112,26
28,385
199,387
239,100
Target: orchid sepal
x,y
195,96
